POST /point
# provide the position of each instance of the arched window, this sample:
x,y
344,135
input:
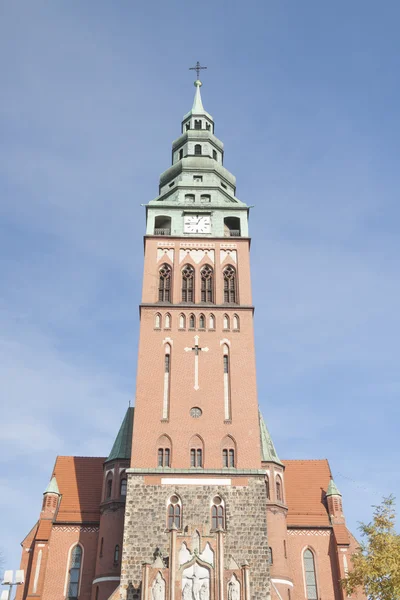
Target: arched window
x,y
97,593
309,574
164,283
236,323
226,322
270,556
164,451
157,321
197,149
101,547
205,198
230,284
217,513
116,555
227,382
211,322
189,198
75,565
123,487
267,487
181,154
232,227
279,491
202,322
207,284
192,322
109,486
228,452
167,321
187,284
174,512
196,452
197,124
214,154
162,225
182,321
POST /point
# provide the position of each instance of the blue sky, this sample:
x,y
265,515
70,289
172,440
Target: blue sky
x,y
305,96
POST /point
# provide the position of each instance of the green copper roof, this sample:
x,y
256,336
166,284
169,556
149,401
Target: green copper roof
x,y
123,442
268,452
52,488
332,489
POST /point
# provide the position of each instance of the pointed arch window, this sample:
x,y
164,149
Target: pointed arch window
x,y
167,376
211,322
270,556
188,284
167,321
227,383
182,321
228,452
309,574
279,492
196,452
236,323
174,512
226,322
217,513
164,283
230,294
109,486
197,149
123,487
192,321
202,322
116,555
101,547
157,321
164,451
267,487
207,284
75,565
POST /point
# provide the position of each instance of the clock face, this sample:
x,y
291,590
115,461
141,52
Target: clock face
x,y
197,224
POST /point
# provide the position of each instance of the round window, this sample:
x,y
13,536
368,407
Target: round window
x,y
196,412
174,499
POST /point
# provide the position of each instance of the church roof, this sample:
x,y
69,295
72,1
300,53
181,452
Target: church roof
x,y
268,452
80,481
123,442
306,482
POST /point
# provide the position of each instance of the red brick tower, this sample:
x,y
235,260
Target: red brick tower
x,y
195,510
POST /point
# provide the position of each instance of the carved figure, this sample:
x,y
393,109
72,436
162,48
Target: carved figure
x,y
187,592
233,589
158,589
197,583
204,592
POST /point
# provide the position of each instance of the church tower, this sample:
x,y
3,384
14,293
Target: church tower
x,y
195,521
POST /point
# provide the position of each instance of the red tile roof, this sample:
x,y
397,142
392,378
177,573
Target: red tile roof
x,y
44,529
306,482
80,481
341,534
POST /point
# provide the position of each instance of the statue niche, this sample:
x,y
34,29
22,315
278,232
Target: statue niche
x,y
158,588
233,588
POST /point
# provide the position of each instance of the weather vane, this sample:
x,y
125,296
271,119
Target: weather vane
x,y
197,68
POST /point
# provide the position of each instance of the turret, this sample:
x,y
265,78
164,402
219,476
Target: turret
x,y
334,501
109,551
277,509
51,498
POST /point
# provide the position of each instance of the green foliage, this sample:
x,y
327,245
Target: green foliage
x,y
376,564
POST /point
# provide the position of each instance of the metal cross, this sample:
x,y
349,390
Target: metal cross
x,y
196,349
197,68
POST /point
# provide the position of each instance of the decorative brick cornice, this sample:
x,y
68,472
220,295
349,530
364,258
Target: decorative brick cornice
x,y
196,472
310,532
76,528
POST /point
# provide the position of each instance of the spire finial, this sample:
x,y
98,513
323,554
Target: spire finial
x,y
197,68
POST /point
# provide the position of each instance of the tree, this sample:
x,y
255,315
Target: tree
x,y
376,564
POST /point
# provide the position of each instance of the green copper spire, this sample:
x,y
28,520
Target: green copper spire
x,y
123,442
52,488
332,489
268,452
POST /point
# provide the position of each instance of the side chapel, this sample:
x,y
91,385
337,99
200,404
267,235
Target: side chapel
x,y
193,502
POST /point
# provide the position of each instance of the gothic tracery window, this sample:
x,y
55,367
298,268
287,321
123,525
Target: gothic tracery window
x,y
174,512
217,513
309,573
164,283
207,284
230,285
187,284
202,322
75,566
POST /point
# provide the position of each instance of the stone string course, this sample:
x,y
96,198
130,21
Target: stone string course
x,y
145,528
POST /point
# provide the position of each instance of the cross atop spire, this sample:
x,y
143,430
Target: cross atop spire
x,y
197,68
